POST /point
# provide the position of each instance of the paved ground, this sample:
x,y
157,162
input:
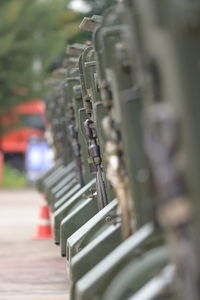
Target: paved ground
x,y
29,269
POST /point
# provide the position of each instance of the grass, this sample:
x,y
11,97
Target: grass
x,y
12,178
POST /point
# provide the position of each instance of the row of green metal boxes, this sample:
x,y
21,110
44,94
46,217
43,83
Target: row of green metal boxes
x,y
116,190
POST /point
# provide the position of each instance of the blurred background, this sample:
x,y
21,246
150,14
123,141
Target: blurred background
x,y
33,36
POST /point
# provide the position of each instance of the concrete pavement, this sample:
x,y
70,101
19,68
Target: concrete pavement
x,y
29,269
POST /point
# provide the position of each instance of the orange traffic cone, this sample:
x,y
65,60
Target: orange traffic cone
x,y
44,230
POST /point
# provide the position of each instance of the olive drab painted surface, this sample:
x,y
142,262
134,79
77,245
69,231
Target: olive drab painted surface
x,y
124,115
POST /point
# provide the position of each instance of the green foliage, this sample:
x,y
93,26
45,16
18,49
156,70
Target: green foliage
x,y
32,34
13,178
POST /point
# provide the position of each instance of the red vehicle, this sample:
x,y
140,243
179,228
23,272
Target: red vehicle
x,y
19,124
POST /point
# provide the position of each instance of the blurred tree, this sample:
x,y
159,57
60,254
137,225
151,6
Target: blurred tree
x,y
32,35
